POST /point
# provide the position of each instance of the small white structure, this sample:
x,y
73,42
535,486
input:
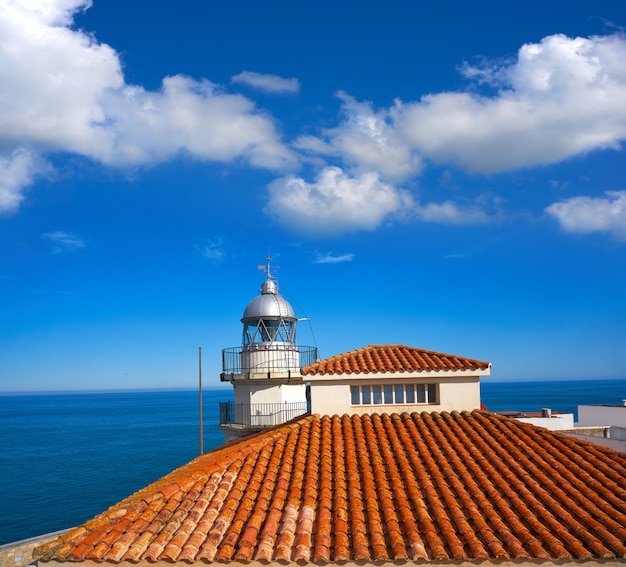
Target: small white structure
x,y
615,416
546,418
394,379
265,369
607,421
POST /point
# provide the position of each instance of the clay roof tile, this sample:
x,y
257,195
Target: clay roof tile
x,y
392,358
421,487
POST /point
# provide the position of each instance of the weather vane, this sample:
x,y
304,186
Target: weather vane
x,y
268,268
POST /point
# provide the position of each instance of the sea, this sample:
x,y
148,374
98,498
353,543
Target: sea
x,y
65,457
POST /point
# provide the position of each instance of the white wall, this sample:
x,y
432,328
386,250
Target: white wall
x,y
329,397
556,422
602,415
269,394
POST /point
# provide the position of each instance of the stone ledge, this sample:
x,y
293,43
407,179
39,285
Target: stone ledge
x,y
20,553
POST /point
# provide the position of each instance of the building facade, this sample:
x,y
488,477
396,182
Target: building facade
x,y
394,378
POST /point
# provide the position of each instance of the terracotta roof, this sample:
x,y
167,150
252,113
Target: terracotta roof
x,y
392,358
429,486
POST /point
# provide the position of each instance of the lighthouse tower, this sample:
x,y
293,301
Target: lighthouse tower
x,y
265,369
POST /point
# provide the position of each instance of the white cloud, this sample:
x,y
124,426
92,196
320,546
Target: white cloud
x,y
366,141
212,250
335,202
449,212
560,98
53,79
329,258
584,215
191,116
17,171
314,144
267,82
50,12
64,91
64,241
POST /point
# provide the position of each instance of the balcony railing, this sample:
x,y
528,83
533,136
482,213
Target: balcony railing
x,y
260,415
276,357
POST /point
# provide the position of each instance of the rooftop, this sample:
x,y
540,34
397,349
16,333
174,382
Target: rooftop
x,y
373,488
393,358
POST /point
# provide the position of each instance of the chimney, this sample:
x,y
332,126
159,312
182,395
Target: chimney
x,y
546,412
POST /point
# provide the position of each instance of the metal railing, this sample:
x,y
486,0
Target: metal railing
x,y
260,415
279,357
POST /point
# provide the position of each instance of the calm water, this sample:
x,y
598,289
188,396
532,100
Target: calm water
x,y
67,457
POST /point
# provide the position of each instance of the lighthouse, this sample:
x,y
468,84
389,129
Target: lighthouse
x,y
265,370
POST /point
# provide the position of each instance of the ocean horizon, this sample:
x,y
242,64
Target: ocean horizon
x,y
67,456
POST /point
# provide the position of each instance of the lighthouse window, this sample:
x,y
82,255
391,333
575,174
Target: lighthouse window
x,y
269,331
389,394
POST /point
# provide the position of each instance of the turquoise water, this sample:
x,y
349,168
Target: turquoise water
x,y
67,457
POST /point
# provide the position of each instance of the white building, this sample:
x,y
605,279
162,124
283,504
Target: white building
x,y
393,379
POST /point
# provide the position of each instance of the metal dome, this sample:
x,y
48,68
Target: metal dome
x,y
269,305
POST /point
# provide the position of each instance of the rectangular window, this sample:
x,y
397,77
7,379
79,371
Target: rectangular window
x,y
421,393
388,393
410,394
399,393
355,395
366,395
378,394
432,393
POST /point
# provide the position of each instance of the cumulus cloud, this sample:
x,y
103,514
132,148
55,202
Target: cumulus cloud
x,y
365,141
63,91
585,215
329,258
18,170
53,79
190,116
335,202
64,241
267,82
560,98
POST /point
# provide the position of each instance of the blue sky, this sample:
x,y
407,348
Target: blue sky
x,y
448,176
